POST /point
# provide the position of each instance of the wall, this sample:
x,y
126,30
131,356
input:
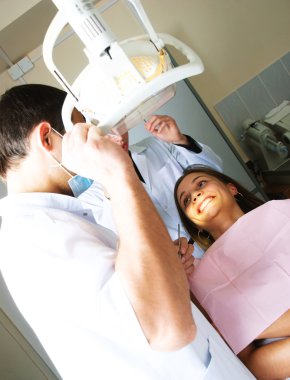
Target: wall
x,y
236,40
254,99
11,9
21,354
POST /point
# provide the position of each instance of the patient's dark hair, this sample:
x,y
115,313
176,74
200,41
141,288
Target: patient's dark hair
x,y
245,199
21,109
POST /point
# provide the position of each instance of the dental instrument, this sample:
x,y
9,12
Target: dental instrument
x,y
179,241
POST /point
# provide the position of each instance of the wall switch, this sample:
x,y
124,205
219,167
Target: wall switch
x,y
15,72
25,64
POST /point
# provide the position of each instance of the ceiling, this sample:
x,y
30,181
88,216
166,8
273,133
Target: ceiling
x,y
26,31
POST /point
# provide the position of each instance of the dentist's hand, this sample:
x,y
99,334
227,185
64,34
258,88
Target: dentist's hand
x,y
165,128
186,251
87,153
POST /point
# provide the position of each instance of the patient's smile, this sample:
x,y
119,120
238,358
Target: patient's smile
x,y
204,204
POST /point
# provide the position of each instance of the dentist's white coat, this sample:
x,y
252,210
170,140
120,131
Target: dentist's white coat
x,y
59,266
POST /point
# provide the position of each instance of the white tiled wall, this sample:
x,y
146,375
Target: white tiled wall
x,y
257,97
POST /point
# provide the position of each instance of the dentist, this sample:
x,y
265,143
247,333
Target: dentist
x,y
99,310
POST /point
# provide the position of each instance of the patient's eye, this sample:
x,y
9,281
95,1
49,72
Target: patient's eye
x,y
186,200
201,184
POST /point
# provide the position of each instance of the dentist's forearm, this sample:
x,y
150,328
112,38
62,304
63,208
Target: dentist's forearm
x,y
148,265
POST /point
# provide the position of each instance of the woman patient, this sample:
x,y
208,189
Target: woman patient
x,y
243,279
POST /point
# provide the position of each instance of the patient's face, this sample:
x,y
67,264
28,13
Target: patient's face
x,y
205,200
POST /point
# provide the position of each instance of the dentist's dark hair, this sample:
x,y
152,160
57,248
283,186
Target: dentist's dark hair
x,y
245,199
21,109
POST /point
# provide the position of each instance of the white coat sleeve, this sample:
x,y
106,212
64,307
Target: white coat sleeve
x,y
186,157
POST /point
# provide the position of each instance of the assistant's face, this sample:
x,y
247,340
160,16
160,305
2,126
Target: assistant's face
x,y
204,199
77,117
125,141
122,140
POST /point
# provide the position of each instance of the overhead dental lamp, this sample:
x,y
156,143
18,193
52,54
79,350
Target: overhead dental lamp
x,y
124,81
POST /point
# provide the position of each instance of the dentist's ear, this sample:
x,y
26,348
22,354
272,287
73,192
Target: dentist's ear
x,y
45,135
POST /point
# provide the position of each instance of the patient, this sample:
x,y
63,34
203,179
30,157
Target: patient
x,y
243,280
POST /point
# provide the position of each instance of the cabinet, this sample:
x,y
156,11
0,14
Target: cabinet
x,y
18,359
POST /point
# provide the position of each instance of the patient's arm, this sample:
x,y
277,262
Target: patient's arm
x,y
268,362
272,360
279,329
